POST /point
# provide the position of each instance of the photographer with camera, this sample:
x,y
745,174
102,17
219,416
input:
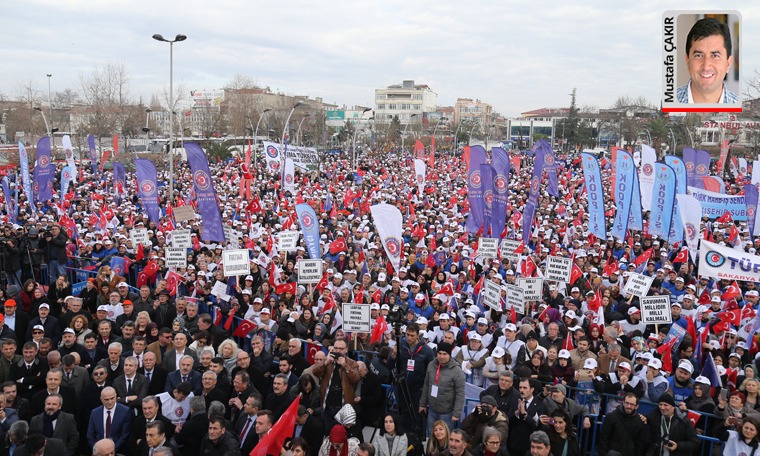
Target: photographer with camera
x,y
669,431
53,243
11,260
32,255
485,414
337,377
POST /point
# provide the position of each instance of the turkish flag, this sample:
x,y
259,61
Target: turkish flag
x,y
329,304
140,252
283,429
311,349
568,342
323,282
289,287
337,246
666,351
704,298
172,282
725,218
244,328
527,267
731,316
732,292
575,273
447,289
381,327
377,296
151,269
142,279
748,312
254,206
643,258
682,257
693,417
611,267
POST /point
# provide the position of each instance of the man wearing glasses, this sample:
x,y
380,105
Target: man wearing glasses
x,y
623,429
338,377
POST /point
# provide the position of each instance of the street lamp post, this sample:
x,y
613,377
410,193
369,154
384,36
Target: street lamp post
x,y
353,142
403,136
287,121
50,98
456,133
469,135
256,134
178,38
298,132
47,126
146,129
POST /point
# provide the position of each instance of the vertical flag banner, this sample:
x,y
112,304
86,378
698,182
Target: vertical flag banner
x,y
119,180
309,222
646,176
623,190
755,172
595,191
205,195
679,167
26,179
724,146
701,167
486,171
68,175
289,176
535,185
93,154
636,218
419,175
691,218
147,186
272,156
475,189
550,166
500,164
751,199
43,172
389,225
69,151
690,161
10,207
663,200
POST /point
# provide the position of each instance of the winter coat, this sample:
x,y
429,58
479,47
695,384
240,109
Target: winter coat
x,y
450,398
624,433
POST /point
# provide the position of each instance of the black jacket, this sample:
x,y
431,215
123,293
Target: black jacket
x,y
681,431
506,401
227,445
192,434
624,433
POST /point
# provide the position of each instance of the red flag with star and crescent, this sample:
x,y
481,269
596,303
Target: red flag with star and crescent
x,y
732,292
244,328
381,327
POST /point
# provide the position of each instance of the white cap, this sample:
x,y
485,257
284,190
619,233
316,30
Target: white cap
x,y
563,354
422,320
570,314
385,307
381,277
625,365
647,356
703,380
45,305
510,327
444,316
482,321
39,327
475,336
498,352
633,310
655,363
123,285
686,365
590,363
266,310
69,331
419,297
374,306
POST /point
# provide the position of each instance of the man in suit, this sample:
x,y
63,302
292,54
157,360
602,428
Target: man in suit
x,y
138,349
223,381
245,428
241,389
171,359
39,445
195,428
162,345
155,436
14,401
610,360
184,374
210,392
17,320
279,399
29,372
53,380
298,362
74,376
56,423
309,427
50,324
111,420
285,366
94,352
131,387
525,419
113,364
154,373
9,357
150,406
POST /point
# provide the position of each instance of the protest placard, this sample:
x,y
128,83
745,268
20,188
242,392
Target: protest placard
x,y
176,257
183,213
638,285
492,295
182,239
287,241
533,289
356,318
309,271
655,310
139,236
558,268
236,262
515,298
488,247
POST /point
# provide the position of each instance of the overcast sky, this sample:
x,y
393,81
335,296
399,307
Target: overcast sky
x,y
517,56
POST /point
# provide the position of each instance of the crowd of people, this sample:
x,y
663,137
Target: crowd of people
x,y
106,350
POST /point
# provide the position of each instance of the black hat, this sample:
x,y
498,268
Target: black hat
x,y
488,400
445,347
531,335
668,399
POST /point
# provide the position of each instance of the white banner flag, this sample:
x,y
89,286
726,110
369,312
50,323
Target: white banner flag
x,y
389,225
419,174
755,172
646,176
726,263
69,151
273,156
691,216
289,176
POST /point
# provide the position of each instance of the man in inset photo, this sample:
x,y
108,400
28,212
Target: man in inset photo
x,y
708,59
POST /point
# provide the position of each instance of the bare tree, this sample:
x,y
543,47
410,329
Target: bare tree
x,y
105,91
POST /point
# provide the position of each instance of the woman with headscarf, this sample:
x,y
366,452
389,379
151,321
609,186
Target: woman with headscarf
x,y
699,401
338,443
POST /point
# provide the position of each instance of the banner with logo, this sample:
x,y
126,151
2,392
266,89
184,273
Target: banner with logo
x,y
679,167
475,189
205,195
550,166
623,192
486,171
419,176
289,176
724,147
727,263
303,157
43,172
147,186
716,204
597,224
10,207
26,180
691,218
646,176
636,217
755,172
701,167
751,198
389,225
309,222
535,185
663,200
500,163
93,154
68,175
119,179
272,156
690,161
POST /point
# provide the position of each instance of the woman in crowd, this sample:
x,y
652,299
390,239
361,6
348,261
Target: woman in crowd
x,y
228,350
309,391
741,435
563,439
391,441
80,325
491,444
57,293
438,443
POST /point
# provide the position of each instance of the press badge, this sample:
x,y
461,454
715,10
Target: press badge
x,y
410,365
434,391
